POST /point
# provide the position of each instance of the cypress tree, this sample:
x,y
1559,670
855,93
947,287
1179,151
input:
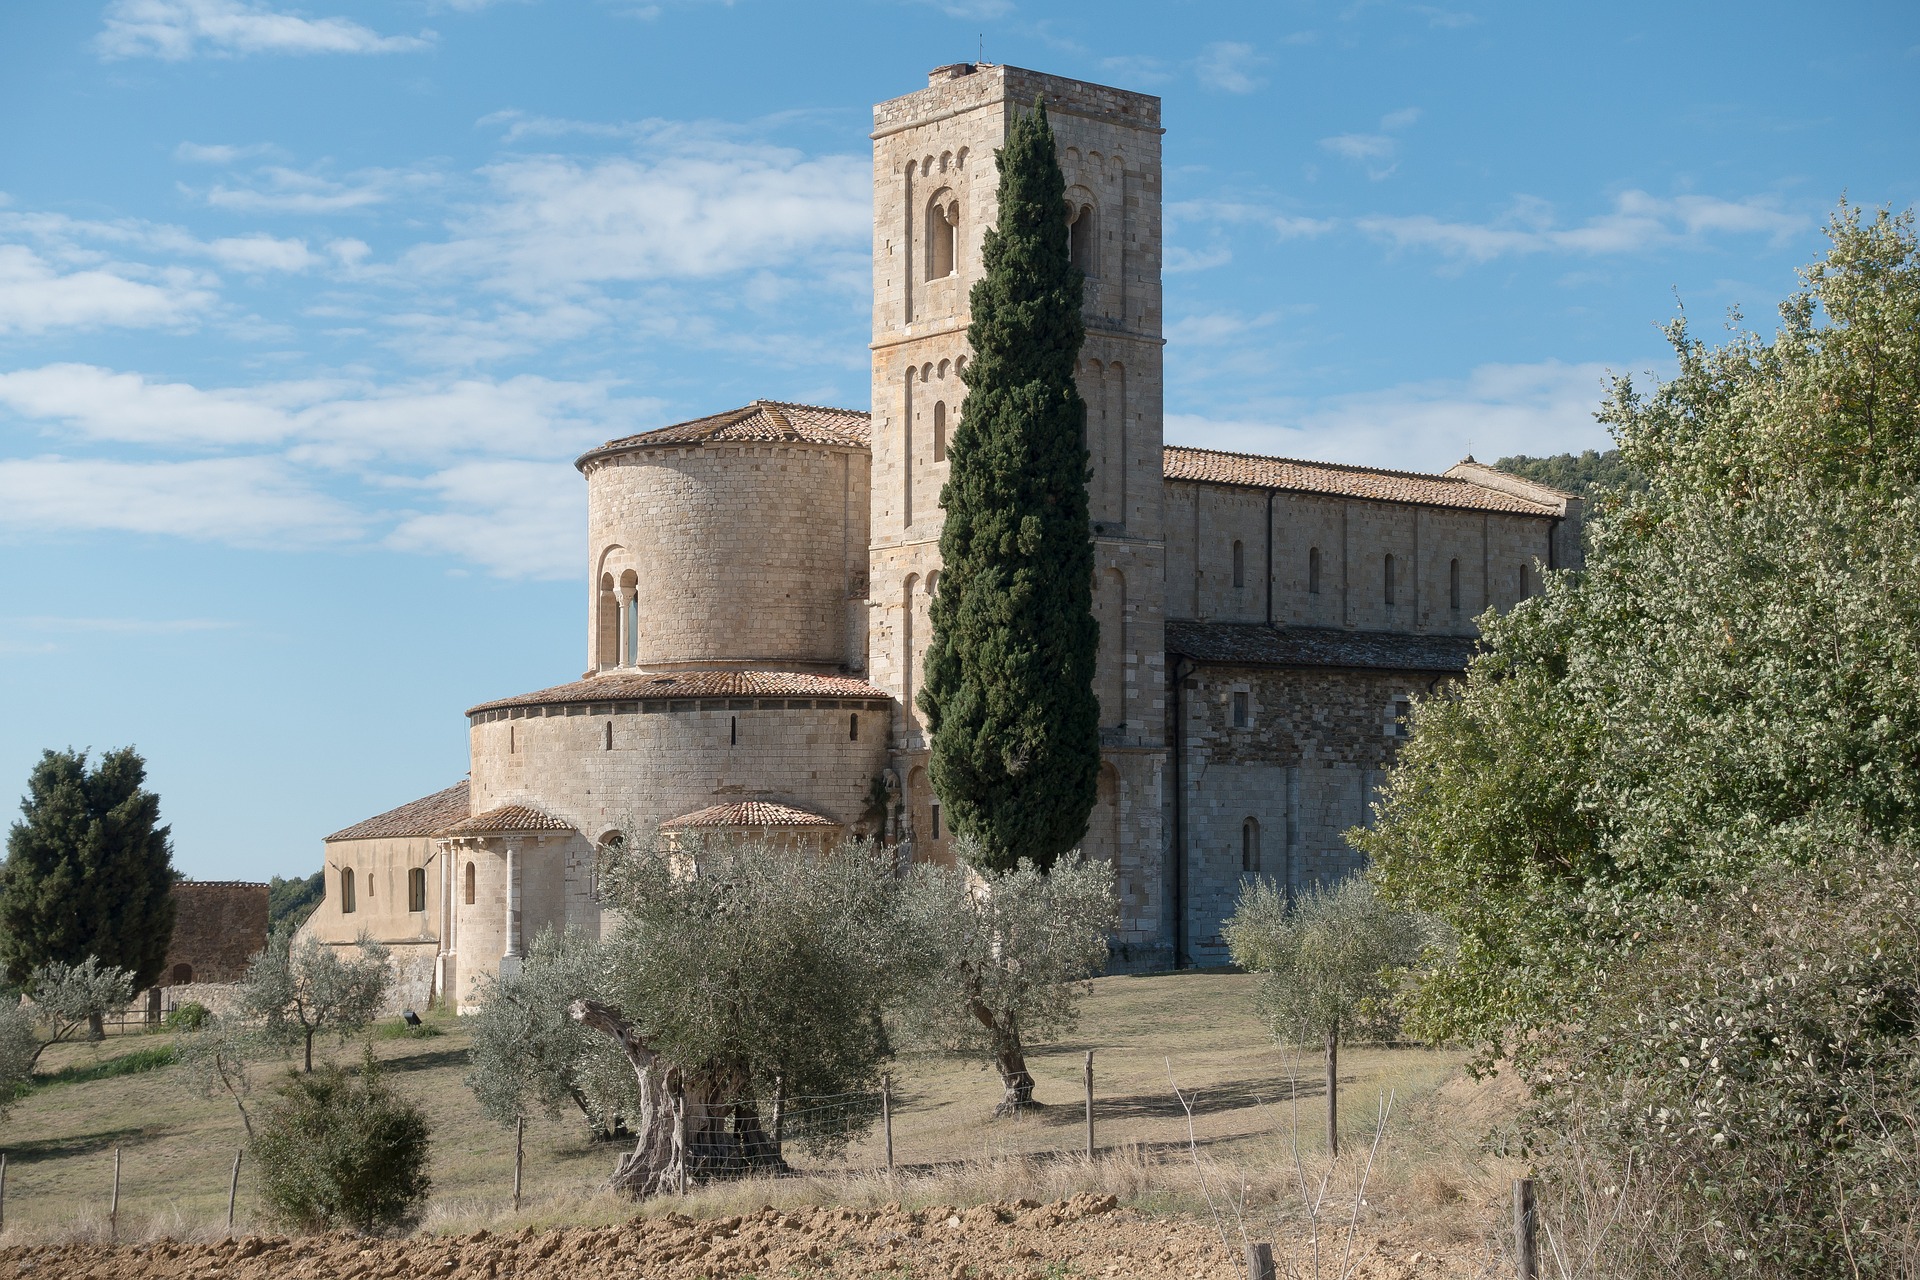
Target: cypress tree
x,y
1008,693
89,870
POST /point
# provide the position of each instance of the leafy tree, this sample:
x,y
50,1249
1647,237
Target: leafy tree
x,y
1326,963
529,1053
218,1054
301,988
19,1049
1732,683
89,869
1589,473
339,1151
1004,956
741,976
1009,694
290,902
67,997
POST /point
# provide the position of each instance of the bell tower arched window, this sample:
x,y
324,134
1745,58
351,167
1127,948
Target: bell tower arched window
x,y
1080,242
939,431
943,225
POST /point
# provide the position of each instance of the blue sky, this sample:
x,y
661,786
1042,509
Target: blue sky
x,y
304,311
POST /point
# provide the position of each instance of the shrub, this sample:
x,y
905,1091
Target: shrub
x,y
190,1016
338,1150
1742,1098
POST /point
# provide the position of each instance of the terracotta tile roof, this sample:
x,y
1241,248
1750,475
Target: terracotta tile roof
x,y
507,817
1211,466
422,817
769,421
748,813
1255,644
630,686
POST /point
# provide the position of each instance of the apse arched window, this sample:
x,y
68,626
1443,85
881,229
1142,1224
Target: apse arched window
x,y
1239,563
1313,571
1250,845
417,889
469,892
1080,241
347,903
939,431
853,727
1526,581
1388,579
1453,584
943,219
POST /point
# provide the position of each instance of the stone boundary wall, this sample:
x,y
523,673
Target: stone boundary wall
x,y
219,926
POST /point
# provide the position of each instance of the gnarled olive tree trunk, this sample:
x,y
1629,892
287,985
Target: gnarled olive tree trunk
x,y
691,1126
1009,1057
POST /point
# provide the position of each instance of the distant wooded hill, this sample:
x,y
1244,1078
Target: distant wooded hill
x,y
290,902
1580,473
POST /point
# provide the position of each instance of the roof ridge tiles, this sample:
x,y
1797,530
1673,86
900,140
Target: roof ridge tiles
x,y
1355,467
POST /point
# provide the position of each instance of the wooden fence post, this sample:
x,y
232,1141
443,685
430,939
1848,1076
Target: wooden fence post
x,y
233,1188
1524,1216
680,1136
113,1208
519,1154
1089,1104
886,1114
3,1191
1260,1262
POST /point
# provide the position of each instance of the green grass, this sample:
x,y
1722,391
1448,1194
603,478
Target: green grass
x,y
1255,1109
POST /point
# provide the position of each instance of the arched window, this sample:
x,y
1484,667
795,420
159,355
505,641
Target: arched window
x,y
943,218
469,893
853,727
346,891
1526,581
1250,845
1239,563
1453,584
1242,710
1313,571
608,745
1080,243
417,889
733,731
939,431
182,974
1389,580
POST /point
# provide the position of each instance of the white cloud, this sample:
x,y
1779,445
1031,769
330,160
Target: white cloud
x,y
283,190
174,30
1637,223
556,223
248,501
1404,118
1378,152
1229,66
36,296
517,519
1497,410
260,253
220,153
104,405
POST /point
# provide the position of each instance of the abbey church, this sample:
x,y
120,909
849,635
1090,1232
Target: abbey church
x,y
757,584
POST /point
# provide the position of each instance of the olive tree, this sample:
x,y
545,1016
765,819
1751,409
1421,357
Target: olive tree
x,y
19,1049
70,997
741,979
1005,956
1326,963
530,1054
301,988
217,1057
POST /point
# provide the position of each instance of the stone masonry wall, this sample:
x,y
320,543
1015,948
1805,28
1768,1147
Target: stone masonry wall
x,y
1304,770
218,927
382,906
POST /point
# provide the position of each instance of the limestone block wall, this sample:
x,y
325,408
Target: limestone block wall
x,y
740,553
555,878
1274,797
1449,565
218,927
383,908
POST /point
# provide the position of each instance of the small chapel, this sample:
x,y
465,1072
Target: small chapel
x,y
757,587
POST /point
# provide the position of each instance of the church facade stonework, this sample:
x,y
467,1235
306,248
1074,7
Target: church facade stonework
x,y
758,585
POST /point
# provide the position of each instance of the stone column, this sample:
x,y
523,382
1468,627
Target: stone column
x,y
510,958
629,615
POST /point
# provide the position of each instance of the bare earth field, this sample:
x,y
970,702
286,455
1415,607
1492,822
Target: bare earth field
x,y
1175,1188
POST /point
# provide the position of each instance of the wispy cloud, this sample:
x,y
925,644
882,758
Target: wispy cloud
x,y
221,153
242,501
174,30
516,519
1496,410
1378,152
1638,222
1230,66
279,189
36,295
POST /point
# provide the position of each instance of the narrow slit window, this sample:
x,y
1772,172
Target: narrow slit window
x,y
1250,845
1241,710
1526,581
733,731
469,892
1239,563
1389,580
939,431
934,823
1453,584
417,889
347,903
511,748
1313,571
853,727
608,744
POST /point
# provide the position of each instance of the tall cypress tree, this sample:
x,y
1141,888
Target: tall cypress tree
x,y
1008,693
89,870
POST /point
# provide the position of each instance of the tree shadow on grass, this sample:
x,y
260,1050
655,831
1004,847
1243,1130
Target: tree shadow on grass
x,y
1205,1100
66,1147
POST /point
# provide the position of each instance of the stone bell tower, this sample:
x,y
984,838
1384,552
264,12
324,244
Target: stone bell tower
x,y
934,195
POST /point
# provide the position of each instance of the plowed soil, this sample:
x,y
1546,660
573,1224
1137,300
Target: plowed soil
x,y
1082,1237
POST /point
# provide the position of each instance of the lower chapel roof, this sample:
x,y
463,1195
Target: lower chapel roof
x,y
748,813
507,817
422,817
633,685
1255,644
